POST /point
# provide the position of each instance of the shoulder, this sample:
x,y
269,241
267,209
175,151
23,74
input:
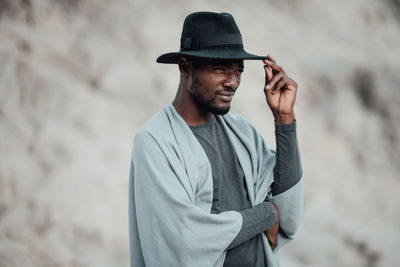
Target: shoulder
x,y
154,130
156,123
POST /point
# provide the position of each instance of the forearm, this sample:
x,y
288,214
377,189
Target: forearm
x,y
255,221
287,171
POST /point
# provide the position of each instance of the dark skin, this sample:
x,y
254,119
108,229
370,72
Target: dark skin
x,y
215,80
207,87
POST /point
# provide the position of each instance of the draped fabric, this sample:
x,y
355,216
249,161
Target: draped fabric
x,y
170,194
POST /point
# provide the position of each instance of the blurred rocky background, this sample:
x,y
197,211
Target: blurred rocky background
x,y
78,78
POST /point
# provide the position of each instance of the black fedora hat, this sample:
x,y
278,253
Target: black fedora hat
x,y
209,35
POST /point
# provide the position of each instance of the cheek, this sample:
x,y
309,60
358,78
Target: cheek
x,y
198,87
208,85
214,82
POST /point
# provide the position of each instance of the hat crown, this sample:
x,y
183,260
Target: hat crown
x,y
209,35
204,24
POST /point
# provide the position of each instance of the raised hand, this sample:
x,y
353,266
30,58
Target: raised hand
x,y
280,91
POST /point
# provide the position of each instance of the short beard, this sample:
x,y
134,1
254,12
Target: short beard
x,y
198,98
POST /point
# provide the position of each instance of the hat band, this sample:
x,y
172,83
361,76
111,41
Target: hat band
x,y
218,40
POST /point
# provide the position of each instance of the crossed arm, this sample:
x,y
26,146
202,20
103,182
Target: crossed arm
x,y
287,172
280,93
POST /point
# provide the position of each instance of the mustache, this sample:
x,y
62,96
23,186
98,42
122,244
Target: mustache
x,y
227,89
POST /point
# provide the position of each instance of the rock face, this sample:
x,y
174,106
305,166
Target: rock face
x,y
78,78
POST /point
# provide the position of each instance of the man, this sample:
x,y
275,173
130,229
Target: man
x,y
205,190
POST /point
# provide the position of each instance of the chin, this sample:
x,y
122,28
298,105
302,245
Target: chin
x,y
220,110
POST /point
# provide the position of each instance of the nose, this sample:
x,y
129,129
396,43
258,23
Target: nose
x,y
231,80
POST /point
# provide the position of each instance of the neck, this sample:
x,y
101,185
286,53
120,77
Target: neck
x,y
189,110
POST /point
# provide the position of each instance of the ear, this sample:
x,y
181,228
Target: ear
x,y
185,66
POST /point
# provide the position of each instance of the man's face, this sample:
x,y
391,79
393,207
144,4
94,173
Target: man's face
x,y
214,83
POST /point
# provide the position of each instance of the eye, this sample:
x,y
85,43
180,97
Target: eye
x,y
219,68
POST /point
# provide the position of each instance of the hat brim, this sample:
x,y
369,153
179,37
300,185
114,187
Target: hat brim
x,y
212,53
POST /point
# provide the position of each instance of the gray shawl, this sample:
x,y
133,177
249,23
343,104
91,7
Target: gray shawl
x,y
170,194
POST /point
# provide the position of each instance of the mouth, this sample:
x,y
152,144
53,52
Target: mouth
x,y
226,96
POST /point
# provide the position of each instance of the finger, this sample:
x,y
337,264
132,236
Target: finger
x,y
281,84
274,66
272,61
272,244
291,85
268,90
271,58
268,74
274,80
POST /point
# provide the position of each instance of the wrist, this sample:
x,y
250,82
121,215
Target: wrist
x,y
284,118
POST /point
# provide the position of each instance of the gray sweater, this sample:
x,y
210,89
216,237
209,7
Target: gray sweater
x,y
230,193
